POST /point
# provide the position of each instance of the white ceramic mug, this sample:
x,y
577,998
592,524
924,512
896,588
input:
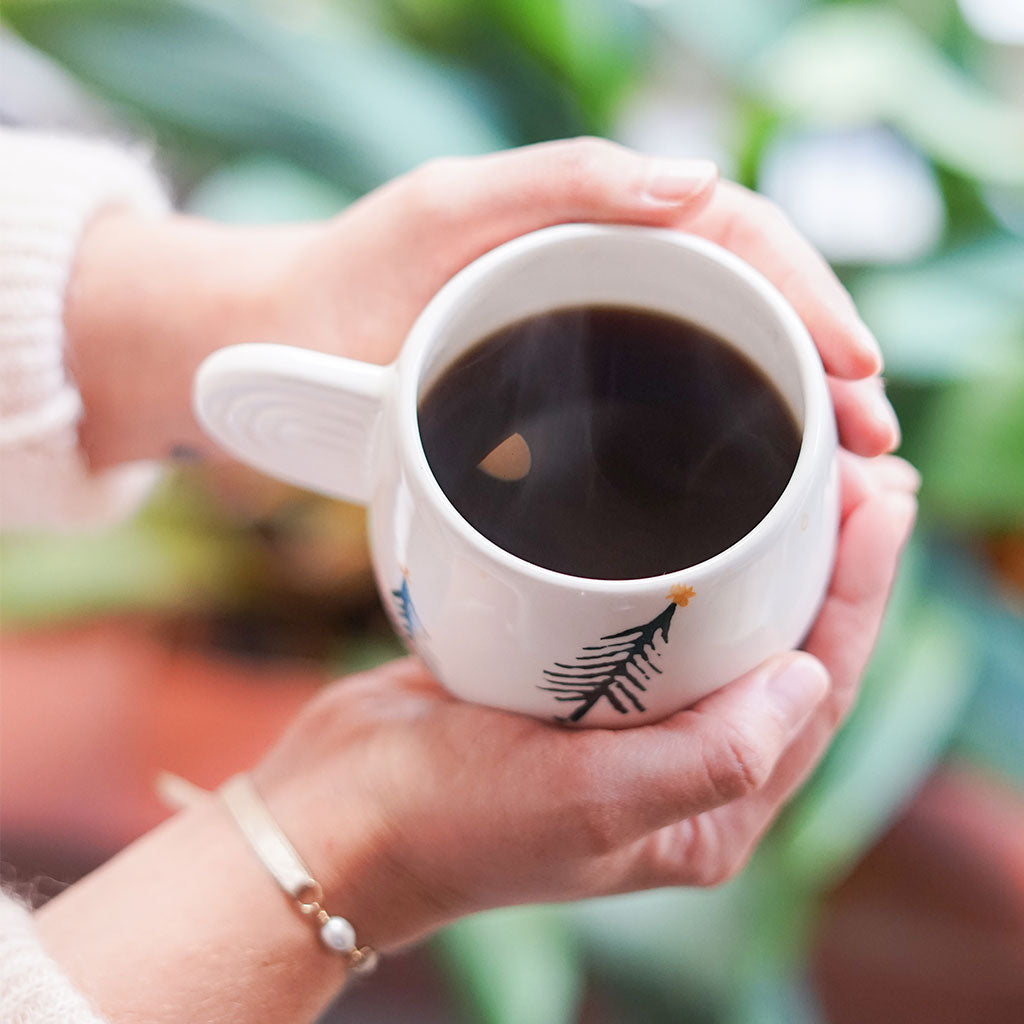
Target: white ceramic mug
x,y
494,628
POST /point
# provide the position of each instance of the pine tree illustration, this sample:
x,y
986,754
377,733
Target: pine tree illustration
x,y
405,610
619,668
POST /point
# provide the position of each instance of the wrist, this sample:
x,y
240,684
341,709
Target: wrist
x,y
192,890
353,854
148,299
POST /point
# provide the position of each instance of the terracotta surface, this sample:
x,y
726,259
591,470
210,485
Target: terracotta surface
x,y
1006,552
91,714
929,928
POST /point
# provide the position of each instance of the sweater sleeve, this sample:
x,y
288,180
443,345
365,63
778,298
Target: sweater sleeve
x,y
33,989
50,187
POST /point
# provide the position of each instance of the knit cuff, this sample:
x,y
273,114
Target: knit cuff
x,y
50,188
34,988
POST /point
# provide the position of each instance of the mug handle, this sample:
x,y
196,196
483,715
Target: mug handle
x,y
304,417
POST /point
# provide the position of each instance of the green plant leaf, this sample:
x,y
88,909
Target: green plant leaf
x,y
136,567
920,679
863,64
594,47
774,999
528,98
355,110
972,453
669,948
959,314
365,650
514,966
180,553
992,725
990,729
730,33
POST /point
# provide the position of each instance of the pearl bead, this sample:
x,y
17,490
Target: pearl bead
x,y
337,934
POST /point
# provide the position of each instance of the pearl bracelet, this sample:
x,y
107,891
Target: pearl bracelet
x,y
288,869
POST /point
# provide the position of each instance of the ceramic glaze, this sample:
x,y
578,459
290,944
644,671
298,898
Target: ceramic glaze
x,y
496,629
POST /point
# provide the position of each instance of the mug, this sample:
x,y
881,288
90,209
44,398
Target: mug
x,y
501,631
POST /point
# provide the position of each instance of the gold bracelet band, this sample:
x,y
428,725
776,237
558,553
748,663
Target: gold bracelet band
x,y
290,872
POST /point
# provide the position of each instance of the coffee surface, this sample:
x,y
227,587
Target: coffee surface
x,y
608,442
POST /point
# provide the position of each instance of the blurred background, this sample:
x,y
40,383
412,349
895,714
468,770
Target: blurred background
x,y
892,890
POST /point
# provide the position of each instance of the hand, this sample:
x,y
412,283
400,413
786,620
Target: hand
x,y
378,263
160,295
415,808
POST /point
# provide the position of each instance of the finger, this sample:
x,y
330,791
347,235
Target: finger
x,y
891,473
862,478
870,543
501,195
866,420
756,229
713,846
844,635
726,746
856,483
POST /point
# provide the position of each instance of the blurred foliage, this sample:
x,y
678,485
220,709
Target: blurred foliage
x,y
223,80
876,762
273,110
490,956
564,64
866,64
172,555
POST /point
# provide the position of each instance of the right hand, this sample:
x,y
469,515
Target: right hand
x,y
416,808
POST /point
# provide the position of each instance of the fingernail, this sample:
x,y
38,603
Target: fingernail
x,y
867,345
795,689
671,182
885,416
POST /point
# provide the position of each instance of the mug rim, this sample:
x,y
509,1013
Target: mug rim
x,y
429,327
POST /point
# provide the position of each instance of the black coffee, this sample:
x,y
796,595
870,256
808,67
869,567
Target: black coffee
x,y
608,442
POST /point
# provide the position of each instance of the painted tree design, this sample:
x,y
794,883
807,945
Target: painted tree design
x,y
619,668
405,610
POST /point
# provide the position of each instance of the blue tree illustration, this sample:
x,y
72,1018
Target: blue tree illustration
x,y
405,610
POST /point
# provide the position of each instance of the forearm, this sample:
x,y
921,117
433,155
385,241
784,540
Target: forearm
x,y
146,301
186,925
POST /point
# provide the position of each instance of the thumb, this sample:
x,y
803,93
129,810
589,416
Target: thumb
x,y
723,748
747,725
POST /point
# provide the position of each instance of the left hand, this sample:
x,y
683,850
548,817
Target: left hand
x,y
367,275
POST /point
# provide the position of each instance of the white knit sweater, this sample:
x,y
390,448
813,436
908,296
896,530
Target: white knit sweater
x,y
33,989
49,189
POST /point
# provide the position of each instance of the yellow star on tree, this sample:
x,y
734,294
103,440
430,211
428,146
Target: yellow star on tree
x,y
681,594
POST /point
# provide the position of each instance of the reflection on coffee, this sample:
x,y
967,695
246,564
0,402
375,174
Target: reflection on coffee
x,y
609,442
